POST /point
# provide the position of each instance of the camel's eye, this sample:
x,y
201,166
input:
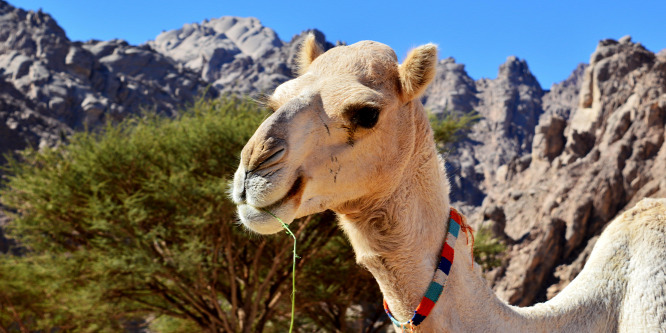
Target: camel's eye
x,y
365,117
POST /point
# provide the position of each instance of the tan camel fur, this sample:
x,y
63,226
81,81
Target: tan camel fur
x,y
350,134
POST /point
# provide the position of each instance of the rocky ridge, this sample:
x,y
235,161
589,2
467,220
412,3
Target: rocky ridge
x,y
51,84
235,55
588,163
509,106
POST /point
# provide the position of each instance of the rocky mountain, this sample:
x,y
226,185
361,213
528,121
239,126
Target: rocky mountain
x,y
51,85
235,55
65,85
545,170
589,162
509,106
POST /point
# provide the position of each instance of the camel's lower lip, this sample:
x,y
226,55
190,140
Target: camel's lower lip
x,y
264,219
295,190
258,219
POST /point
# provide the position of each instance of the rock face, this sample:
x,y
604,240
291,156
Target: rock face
x,y
52,85
558,104
236,55
452,90
509,105
20,125
589,162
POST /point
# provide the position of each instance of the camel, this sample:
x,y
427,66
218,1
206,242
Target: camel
x,y
350,134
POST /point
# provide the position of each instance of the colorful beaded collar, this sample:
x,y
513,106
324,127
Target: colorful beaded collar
x,y
441,274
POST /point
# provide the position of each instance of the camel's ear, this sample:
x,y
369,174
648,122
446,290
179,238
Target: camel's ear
x,y
417,71
310,50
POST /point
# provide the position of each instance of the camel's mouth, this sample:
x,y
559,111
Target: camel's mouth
x,y
261,219
296,190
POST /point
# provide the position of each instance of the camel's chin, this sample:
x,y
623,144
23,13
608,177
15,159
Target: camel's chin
x,y
262,222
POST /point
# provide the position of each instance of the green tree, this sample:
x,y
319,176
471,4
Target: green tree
x,y
134,221
338,295
449,127
488,250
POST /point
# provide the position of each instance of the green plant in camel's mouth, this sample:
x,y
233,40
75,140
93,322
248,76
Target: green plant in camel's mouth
x,y
293,270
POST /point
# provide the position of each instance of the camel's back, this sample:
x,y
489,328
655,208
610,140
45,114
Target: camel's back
x,y
643,306
646,219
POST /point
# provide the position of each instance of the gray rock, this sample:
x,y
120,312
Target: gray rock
x,y
236,55
625,40
509,105
562,98
452,90
511,108
21,126
558,104
661,53
614,156
79,61
86,83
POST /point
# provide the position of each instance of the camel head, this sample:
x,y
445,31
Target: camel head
x,y
342,133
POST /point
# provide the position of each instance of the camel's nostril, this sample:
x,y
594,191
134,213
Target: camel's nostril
x,y
261,153
272,159
268,158
242,196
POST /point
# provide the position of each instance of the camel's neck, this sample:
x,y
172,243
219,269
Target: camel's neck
x,y
399,239
399,236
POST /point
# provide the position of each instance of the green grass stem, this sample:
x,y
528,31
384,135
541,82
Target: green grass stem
x,y
293,271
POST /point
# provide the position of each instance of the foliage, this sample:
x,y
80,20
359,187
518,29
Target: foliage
x,y
139,210
448,127
488,250
46,292
353,300
135,220
169,324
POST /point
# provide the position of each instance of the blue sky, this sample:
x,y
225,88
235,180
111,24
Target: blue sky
x,y
552,36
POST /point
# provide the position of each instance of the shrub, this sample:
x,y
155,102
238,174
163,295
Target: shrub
x,y
450,127
134,220
488,250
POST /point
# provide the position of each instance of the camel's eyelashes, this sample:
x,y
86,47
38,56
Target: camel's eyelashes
x,y
269,103
365,117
